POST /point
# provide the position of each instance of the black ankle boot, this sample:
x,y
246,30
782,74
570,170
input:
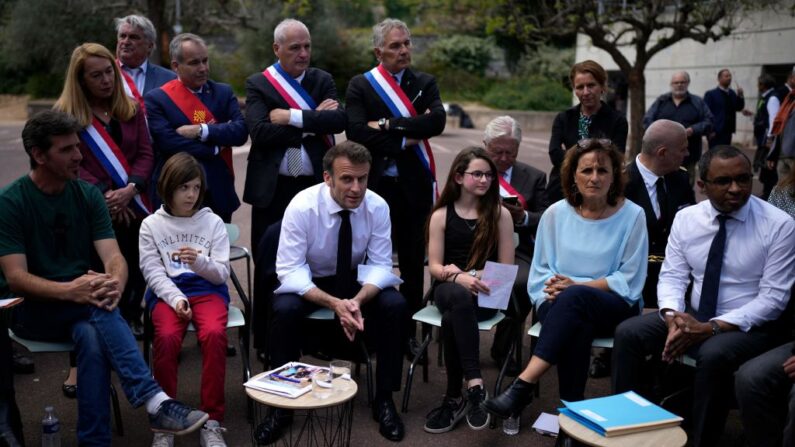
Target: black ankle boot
x,y
511,401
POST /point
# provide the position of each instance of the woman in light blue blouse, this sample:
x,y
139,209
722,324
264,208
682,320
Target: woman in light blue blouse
x,y
588,271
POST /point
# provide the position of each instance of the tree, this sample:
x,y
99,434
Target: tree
x,y
643,27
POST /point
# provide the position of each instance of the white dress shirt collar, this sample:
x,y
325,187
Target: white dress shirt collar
x,y
741,214
508,174
650,180
331,205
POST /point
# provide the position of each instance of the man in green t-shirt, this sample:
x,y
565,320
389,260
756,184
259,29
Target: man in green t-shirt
x,y
50,225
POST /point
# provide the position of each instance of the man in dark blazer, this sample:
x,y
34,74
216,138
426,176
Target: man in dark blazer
x,y
502,138
135,40
275,126
398,173
724,103
663,148
209,141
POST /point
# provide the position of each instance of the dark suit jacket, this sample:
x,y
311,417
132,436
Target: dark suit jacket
x,y
229,130
607,123
531,184
680,195
716,102
270,141
156,76
363,104
136,149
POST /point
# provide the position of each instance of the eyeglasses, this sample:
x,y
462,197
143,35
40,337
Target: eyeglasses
x,y
588,143
477,175
742,181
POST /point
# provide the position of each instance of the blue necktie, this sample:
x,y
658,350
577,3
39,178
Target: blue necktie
x,y
709,288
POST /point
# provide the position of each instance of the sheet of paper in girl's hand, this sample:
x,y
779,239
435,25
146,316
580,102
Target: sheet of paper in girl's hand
x,y
499,278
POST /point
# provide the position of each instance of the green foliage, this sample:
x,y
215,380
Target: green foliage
x,y
467,53
533,93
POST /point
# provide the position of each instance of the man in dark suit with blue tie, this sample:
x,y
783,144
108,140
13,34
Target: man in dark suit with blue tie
x,y
201,117
135,40
392,111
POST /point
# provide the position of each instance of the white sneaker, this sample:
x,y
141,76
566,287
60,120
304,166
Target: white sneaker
x,y
163,440
212,434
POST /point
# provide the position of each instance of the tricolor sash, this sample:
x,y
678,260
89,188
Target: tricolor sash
x,y
196,112
96,138
398,103
130,89
507,190
292,93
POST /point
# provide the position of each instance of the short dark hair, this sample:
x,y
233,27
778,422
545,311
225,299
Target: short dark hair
x,y
723,151
721,71
767,81
355,152
593,68
42,126
569,168
179,169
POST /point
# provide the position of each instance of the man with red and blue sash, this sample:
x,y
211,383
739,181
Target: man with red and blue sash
x,y
393,111
292,114
201,117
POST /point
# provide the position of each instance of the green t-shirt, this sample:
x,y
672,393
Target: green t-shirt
x,y
54,232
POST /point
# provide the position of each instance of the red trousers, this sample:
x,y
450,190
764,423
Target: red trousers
x,y
209,318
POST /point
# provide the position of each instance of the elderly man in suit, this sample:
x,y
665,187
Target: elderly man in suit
x,y
523,189
201,117
135,40
393,111
292,114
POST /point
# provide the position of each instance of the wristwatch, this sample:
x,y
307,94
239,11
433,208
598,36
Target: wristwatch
x,y
473,273
382,123
715,327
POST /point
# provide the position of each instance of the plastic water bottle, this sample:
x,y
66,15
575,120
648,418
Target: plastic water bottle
x,y
50,429
510,426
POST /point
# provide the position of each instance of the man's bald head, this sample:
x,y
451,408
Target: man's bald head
x,y
664,146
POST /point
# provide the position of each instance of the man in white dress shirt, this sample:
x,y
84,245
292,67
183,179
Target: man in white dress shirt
x,y
740,252
361,291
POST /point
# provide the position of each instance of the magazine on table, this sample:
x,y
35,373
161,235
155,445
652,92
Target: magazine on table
x,y
291,380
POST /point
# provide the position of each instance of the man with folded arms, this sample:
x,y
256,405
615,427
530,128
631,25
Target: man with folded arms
x,y
740,252
335,251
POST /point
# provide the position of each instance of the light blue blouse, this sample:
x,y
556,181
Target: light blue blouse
x,y
615,248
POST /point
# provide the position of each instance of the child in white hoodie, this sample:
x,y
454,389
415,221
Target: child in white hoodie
x,y
184,256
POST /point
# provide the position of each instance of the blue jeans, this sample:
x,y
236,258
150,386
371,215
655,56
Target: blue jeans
x,y
103,341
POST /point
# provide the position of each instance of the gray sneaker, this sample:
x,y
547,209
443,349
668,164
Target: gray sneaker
x,y
212,435
477,417
177,418
163,440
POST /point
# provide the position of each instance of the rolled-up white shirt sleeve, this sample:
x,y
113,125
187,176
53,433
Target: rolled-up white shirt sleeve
x,y
292,269
378,264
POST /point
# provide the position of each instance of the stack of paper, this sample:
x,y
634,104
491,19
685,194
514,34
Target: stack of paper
x,y
620,414
290,380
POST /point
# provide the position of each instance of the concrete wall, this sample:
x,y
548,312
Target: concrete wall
x,y
528,121
762,38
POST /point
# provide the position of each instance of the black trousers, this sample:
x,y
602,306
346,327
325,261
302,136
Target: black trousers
x,y
460,317
383,324
717,358
408,237
127,237
262,217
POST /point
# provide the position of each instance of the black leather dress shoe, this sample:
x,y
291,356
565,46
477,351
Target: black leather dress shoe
x,y
389,424
600,366
23,364
270,430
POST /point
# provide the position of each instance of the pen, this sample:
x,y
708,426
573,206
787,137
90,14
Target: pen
x,y
287,379
418,95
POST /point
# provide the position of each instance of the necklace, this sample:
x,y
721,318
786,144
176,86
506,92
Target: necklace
x,y
471,227
579,209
